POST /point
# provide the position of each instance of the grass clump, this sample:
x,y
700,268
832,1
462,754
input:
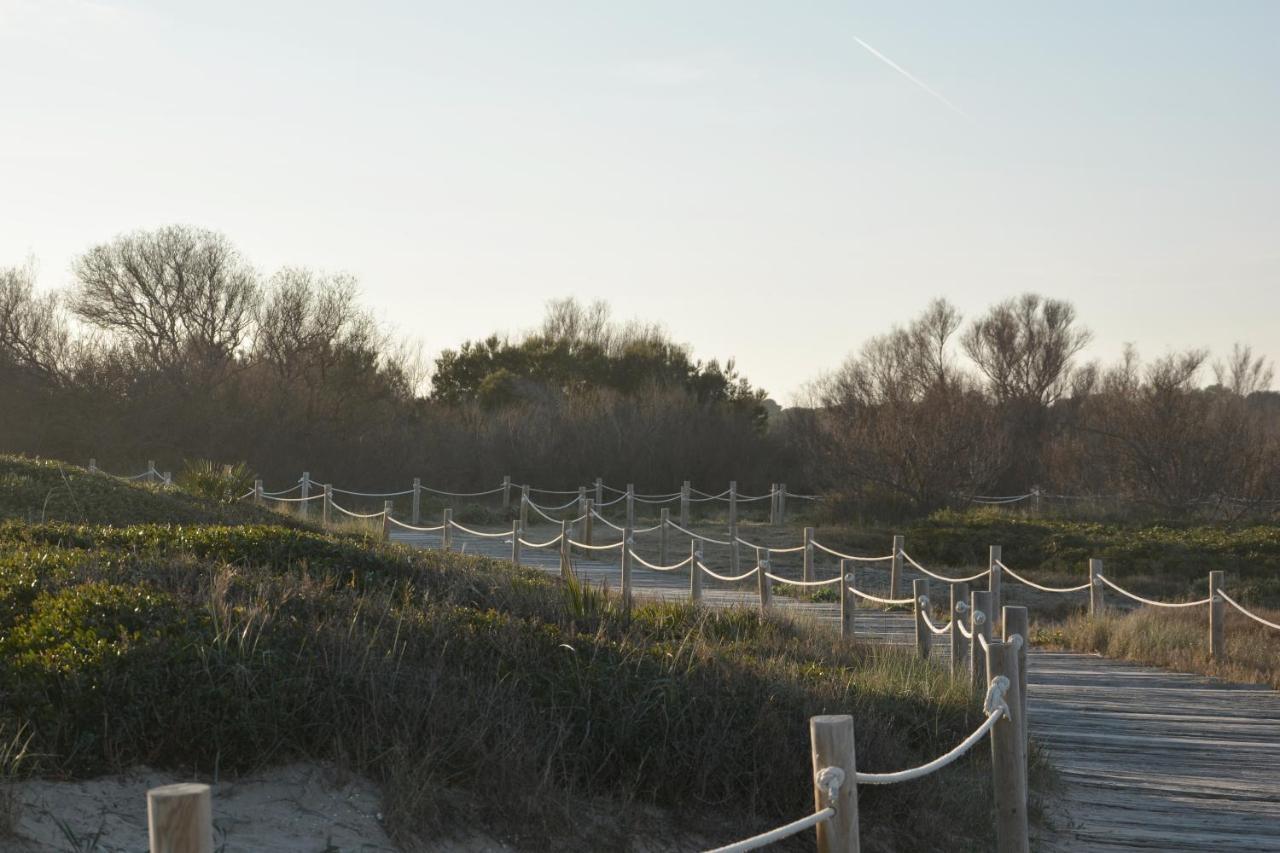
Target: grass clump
x,y
1177,640
47,490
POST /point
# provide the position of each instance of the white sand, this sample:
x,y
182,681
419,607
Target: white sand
x,y
301,807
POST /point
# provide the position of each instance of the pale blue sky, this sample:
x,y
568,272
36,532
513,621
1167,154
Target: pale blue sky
x,y
745,172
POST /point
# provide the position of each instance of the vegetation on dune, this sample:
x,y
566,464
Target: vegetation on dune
x,y
1174,640
48,490
1166,560
474,691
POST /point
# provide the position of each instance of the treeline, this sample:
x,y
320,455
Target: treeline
x,y
171,346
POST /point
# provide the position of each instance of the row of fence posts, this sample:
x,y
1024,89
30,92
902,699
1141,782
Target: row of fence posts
x,y
165,477
777,509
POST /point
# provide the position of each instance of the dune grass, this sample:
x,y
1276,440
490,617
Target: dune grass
x,y
1175,640
475,694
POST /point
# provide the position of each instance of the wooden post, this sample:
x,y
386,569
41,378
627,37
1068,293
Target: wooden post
x,y
599,491
773,504
524,507
589,524
1035,495
566,571
980,624
1217,616
831,745
685,493
1008,765
895,568
583,510
93,465
847,600
959,609
386,519
151,470
993,580
180,818
782,503
920,603
664,518
167,478
695,573
304,505
631,505
416,515
626,565
1097,604
808,554
506,491
326,507
1017,624
516,533
446,534
735,560
764,585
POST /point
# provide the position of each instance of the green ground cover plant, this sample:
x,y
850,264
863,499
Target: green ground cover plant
x,y
475,693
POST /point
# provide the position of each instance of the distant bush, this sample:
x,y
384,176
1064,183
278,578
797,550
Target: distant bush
x,y
221,482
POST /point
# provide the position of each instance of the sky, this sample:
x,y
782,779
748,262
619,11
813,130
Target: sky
x,y
775,182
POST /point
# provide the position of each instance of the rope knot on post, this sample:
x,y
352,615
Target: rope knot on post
x,y
828,780
962,607
995,696
1016,641
924,601
979,617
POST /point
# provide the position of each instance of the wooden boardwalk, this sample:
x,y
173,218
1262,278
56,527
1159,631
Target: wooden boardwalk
x,y
1149,759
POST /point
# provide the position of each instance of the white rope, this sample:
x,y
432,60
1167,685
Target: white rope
x,y
638,530
982,641
294,487
247,494
479,533
553,508
869,597
346,511
764,839
1124,591
726,578
612,502
372,494
436,529
1255,617
995,707
980,574
607,521
708,495
546,544
697,536
554,491
797,549
924,614
964,632
999,501
587,547
1035,585
463,494
827,582
833,552
299,500
656,499
803,497
744,499
642,561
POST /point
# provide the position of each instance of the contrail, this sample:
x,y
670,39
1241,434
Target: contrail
x,y
905,73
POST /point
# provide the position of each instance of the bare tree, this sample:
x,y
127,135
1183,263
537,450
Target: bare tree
x,y
1026,348
900,423
33,332
170,294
